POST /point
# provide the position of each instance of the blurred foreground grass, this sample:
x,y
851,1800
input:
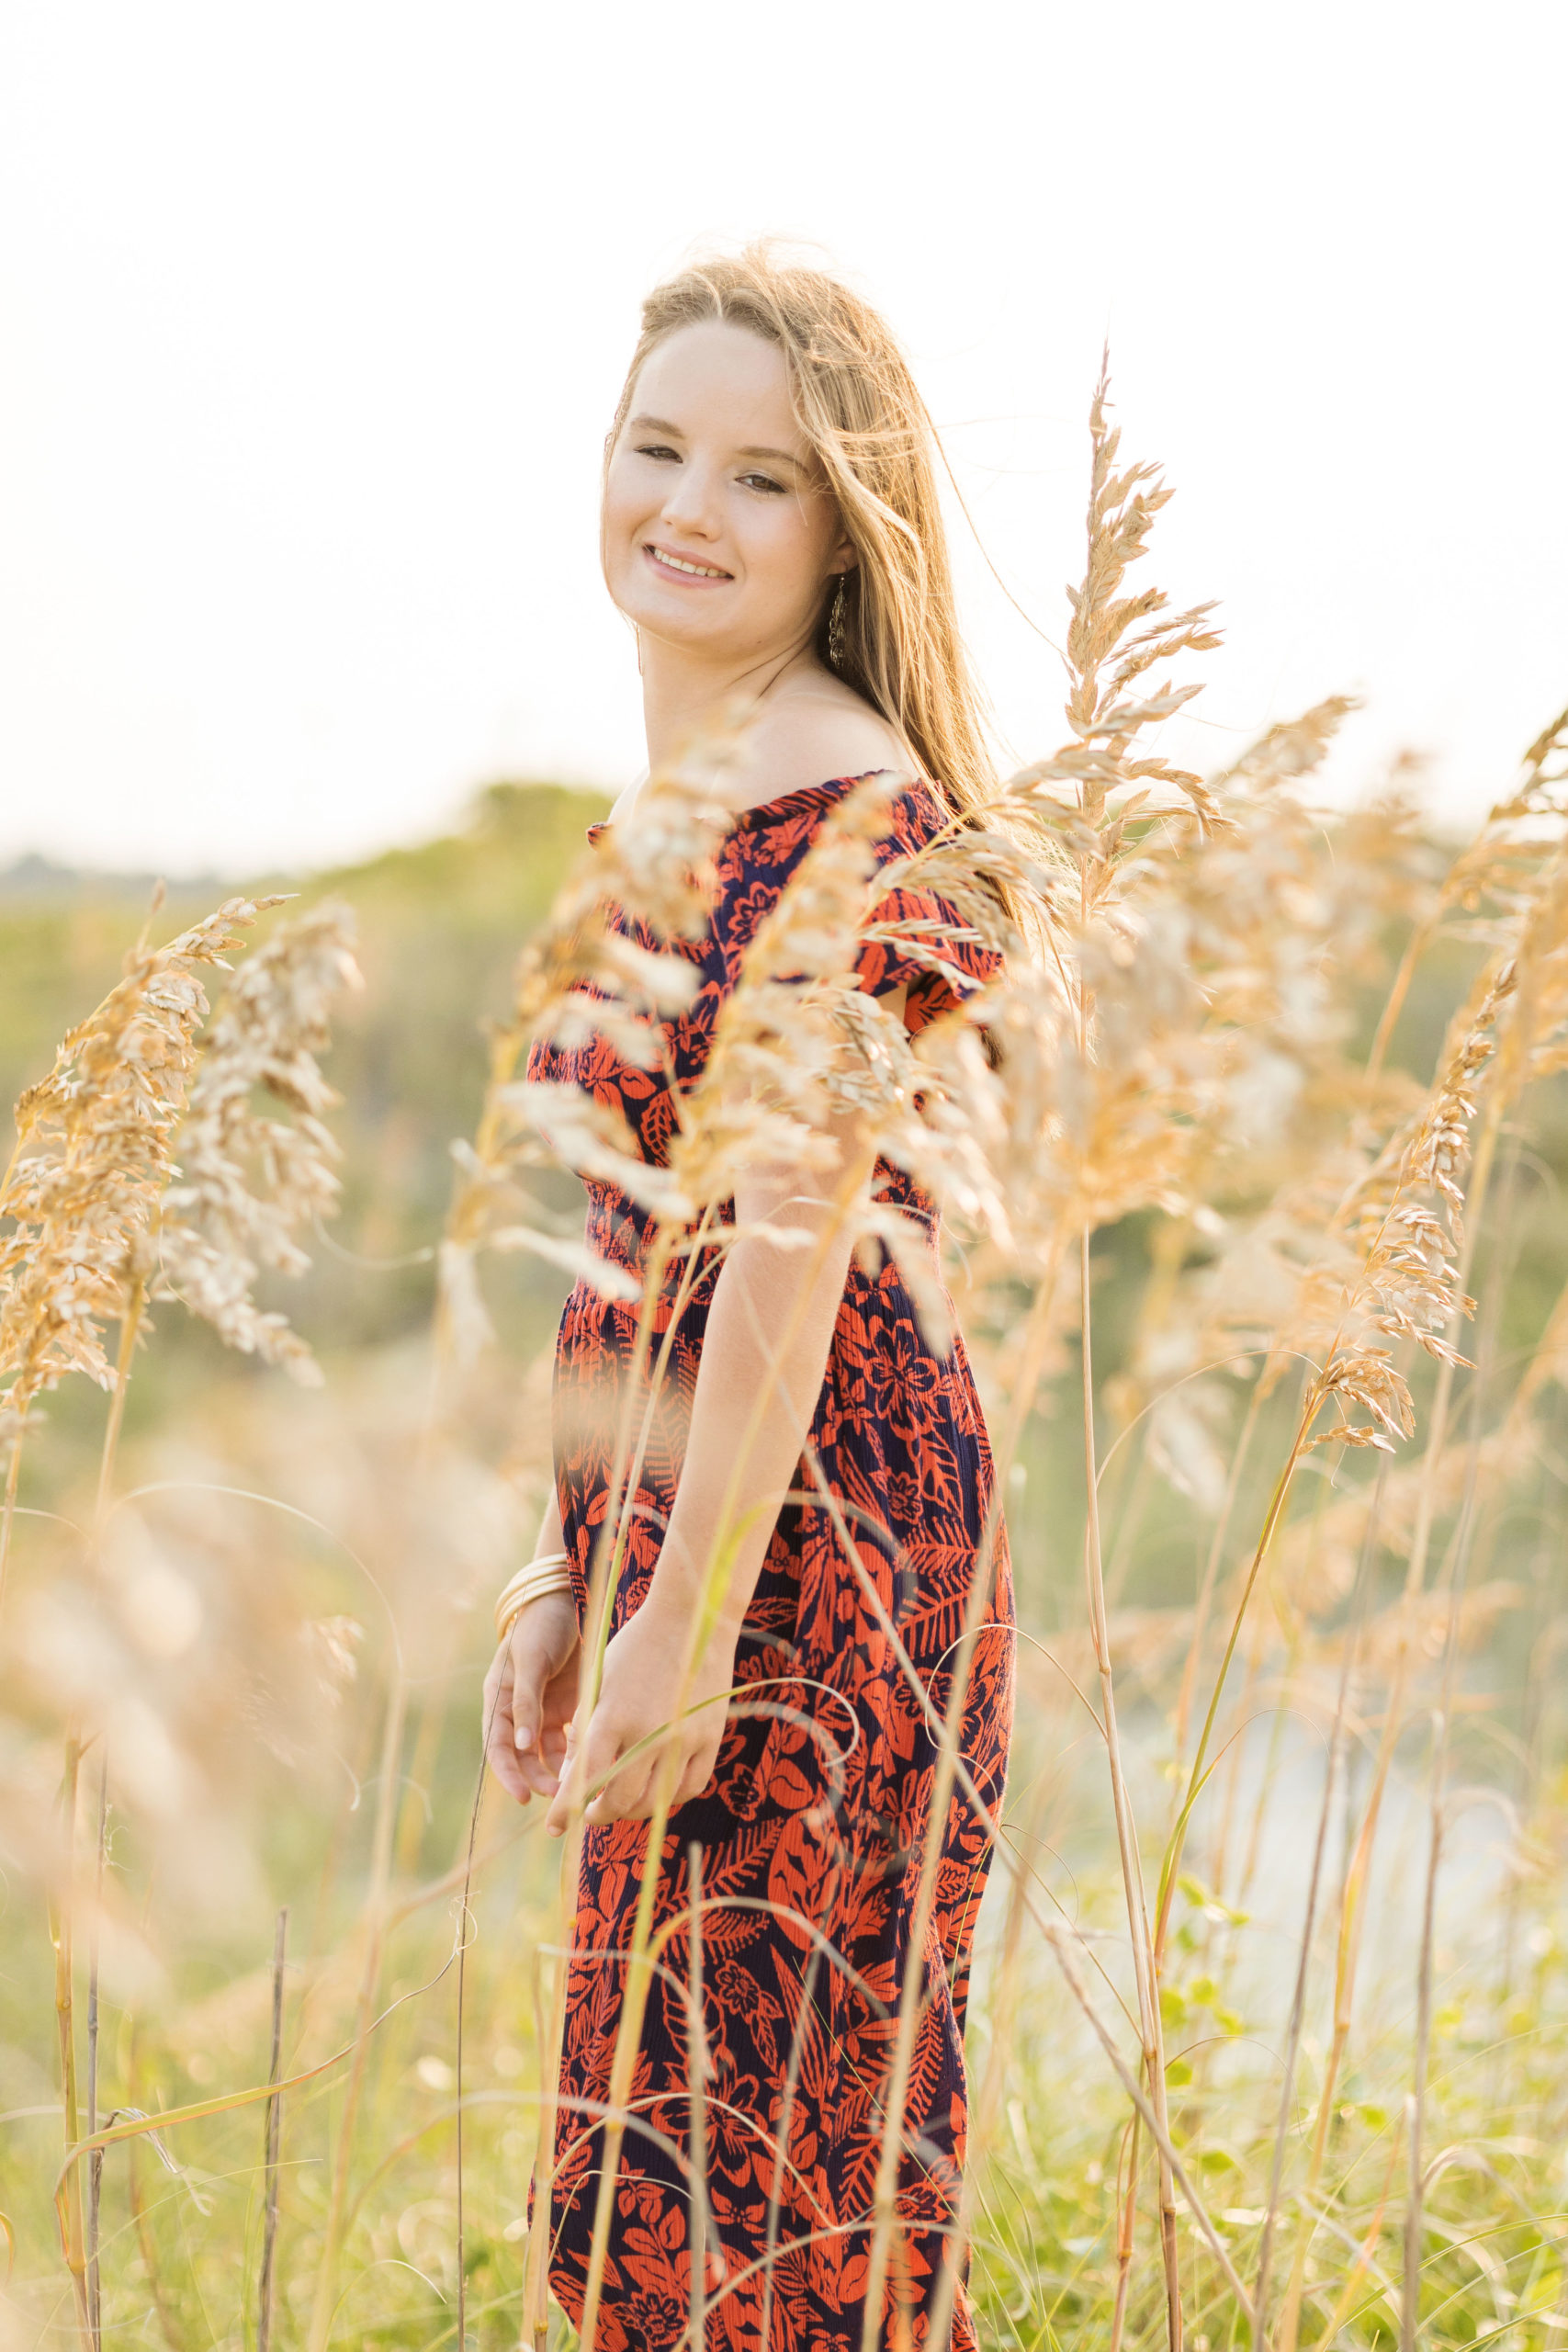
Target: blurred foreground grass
x,y
289,1573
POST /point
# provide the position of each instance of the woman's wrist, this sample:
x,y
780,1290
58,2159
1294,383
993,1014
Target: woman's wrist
x,y
549,1573
679,1592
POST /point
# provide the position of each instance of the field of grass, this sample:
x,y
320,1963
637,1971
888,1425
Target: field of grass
x,y
1269,2040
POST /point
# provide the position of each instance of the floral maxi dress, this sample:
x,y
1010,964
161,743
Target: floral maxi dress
x,y
810,1832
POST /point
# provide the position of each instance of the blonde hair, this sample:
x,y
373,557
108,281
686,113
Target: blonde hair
x,y
854,399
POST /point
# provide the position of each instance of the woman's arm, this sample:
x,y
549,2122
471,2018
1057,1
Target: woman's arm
x,y
769,1328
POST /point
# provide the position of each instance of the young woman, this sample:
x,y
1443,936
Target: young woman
x,y
771,527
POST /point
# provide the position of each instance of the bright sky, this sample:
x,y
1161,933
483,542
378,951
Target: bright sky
x,y
315,312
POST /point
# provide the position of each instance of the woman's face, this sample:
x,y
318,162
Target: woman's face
x,y
718,535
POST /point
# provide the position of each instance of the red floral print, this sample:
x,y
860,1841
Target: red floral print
x,y
811,1829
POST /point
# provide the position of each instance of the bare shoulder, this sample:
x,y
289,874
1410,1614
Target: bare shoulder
x,y
810,737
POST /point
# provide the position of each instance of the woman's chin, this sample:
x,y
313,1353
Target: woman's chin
x,y
681,632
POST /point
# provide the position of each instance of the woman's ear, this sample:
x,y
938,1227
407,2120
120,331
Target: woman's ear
x,y
844,557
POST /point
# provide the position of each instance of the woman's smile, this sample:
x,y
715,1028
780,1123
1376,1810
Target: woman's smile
x,y
682,567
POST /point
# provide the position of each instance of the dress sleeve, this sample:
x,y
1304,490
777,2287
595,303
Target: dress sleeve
x,y
938,971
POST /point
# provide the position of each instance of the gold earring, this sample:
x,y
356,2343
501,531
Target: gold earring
x,y
835,627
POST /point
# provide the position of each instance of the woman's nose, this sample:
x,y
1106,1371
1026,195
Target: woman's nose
x,y
691,501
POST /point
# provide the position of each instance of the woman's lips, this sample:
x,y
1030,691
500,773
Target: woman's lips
x,y
672,565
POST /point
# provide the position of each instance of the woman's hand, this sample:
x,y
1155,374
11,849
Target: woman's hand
x,y
637,1697
530,1697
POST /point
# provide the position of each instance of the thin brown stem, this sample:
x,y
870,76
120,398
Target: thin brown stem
x,y
264,2289
1063,1945
1127,2229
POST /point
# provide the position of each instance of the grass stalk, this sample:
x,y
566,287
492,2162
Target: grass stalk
x,y
697,2068
1353,1907
781,2152
1062,1944
129,1329
1145,1966
1171,1863
142,2219
1126,2227
1268,1779
96,2164
1218,1865
129,1326
1314,1881
375,1929
639,1977
1212,1568
1366,2252
9,1511
415,1815
63,1925
608,1553
1436,1804
265,2284
912,1992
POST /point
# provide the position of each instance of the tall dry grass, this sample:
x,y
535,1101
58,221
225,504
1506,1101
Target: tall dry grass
x,y
1268,2043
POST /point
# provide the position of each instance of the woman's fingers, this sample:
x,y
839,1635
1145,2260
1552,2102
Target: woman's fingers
x,y
697,1774
560,1808
632,1791
496,1720
618,1799
530,1671
638,1794
536,1774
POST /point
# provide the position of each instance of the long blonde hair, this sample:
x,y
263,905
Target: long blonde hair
x,y
854,399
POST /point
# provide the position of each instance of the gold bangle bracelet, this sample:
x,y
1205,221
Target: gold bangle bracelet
x,y
548,1572
507,1618
541,1577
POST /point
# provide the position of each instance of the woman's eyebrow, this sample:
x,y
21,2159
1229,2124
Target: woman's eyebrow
x,y
783,457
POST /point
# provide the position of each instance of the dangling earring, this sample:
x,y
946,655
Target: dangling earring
x,y
835,627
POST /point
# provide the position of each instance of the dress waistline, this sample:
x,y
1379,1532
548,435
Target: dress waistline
x,y
624,1234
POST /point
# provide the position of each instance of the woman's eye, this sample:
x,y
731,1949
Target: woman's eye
x,y
654,449
762,481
